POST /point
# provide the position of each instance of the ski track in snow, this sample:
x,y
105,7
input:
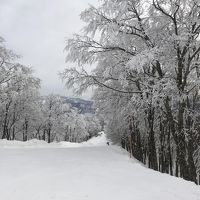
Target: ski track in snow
x,y
91,171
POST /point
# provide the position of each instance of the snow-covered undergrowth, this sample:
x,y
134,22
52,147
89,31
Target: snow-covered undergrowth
x,y
95,141
95,172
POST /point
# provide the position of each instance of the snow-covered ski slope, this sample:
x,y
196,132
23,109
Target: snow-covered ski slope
x,y
90,171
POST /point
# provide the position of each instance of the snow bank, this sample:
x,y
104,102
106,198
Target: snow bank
x,y
34,143
19,144
100,140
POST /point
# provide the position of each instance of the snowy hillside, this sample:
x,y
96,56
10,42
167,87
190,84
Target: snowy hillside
x,y
95,172
84,106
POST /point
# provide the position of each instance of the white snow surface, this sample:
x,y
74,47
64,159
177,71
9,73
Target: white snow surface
x,y
95,141
35,170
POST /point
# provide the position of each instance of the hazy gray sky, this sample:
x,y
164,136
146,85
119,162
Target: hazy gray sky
x,y
37,30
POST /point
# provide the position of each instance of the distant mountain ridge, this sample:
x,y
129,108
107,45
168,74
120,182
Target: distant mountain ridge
x,y
84,106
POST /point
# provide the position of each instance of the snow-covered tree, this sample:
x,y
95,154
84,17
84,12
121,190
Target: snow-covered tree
x,y
147,77
62,122
19,90
93,125
24,114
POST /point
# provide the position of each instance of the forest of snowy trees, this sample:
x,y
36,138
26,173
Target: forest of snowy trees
x,y
24,114
146,78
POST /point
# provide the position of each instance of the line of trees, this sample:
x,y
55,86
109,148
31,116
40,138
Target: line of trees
x,y
147,73
24,114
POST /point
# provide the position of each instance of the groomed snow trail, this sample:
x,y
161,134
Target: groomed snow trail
x,y
86,172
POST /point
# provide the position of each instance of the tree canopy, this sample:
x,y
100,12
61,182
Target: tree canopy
x,y
146,55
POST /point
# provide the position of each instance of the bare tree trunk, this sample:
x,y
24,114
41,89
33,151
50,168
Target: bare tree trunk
x,y
151,141
25,130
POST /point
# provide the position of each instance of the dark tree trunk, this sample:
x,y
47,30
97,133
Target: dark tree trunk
x,y
25,130
49,135
151,142
44,135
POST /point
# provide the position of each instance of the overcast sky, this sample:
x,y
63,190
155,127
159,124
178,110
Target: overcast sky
x,y
37,30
